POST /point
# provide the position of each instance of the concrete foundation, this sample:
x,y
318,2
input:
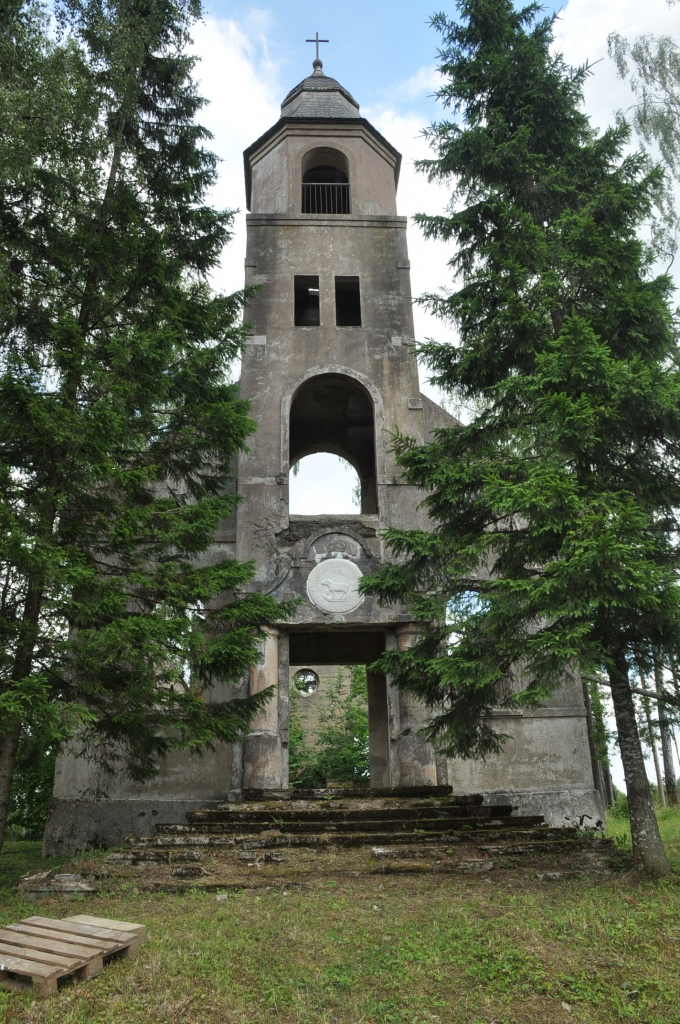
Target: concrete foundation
x,y
78,822
578,808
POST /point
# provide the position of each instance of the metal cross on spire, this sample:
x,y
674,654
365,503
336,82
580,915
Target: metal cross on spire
x,y
317,41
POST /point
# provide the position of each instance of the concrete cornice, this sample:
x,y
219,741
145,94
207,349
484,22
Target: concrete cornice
x,y
315,220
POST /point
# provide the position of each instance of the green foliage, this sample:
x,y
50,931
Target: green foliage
x,y
620,808
118,425
32,785
554,509
340,750
651,64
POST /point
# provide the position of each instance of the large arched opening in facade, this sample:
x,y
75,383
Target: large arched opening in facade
x,y
334,413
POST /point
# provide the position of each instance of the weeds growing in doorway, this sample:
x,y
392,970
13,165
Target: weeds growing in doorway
x,y
340,749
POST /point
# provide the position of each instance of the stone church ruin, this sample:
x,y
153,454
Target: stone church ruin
x,y
330,368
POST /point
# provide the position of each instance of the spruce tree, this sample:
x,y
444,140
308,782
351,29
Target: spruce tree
x,y
554,511
118,424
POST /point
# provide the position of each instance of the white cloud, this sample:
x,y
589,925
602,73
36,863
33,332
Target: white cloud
x,y
242,84
581,35
424,82
429,259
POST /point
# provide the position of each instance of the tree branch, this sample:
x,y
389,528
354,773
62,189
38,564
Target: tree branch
x,y
664,698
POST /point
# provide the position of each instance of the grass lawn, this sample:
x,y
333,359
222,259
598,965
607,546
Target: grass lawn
x,y
381,949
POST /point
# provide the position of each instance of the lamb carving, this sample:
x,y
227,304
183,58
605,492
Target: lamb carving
x,y
335,591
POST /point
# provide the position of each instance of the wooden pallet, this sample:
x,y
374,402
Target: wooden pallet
x,y
38,951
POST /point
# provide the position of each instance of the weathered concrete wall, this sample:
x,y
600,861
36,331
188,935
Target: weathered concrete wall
x,y
78,822
277,168
544,768
283,357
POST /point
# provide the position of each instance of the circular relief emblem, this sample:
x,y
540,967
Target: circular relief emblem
x,y
332,585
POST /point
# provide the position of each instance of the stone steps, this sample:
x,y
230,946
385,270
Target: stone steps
x,y
339,827
410,825
412,839
520,846
355,816
186,838
295,795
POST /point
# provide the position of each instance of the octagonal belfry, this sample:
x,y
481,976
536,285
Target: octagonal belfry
x,y
330,367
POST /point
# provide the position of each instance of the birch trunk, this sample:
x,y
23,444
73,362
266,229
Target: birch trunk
x,y
652,740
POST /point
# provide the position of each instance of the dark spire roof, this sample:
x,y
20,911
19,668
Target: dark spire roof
x,y
319,96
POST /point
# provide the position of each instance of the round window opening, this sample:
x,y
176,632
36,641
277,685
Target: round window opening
x,y
306,681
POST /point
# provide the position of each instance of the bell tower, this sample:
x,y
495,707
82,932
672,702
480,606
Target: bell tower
x,y
329,368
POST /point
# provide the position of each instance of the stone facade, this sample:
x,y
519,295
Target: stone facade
x,y
330,367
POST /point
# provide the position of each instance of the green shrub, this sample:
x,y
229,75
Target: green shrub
x,y
619,808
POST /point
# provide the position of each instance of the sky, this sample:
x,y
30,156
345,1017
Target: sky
x,y
385,54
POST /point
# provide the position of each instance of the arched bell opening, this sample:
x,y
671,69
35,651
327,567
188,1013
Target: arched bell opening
x,y
333,413
325,182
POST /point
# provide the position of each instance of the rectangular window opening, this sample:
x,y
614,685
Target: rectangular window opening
x,y
307,301
347,302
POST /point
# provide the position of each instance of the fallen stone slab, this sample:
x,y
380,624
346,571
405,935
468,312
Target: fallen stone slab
x,y
188,871
38,884
261,856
